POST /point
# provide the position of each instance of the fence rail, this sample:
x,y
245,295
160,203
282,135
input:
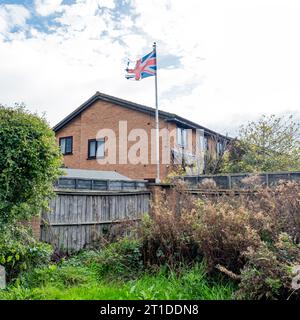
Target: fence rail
x,y
77,218
236,181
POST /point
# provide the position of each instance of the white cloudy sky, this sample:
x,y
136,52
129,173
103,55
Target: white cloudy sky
x,y
221,62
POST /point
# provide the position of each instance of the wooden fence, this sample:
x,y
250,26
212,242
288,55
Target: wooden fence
x,y
77,218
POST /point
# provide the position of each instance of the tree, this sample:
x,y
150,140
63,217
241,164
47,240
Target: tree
x,y
270,144
29,164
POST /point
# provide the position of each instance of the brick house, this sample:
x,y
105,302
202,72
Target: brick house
x,y
82,147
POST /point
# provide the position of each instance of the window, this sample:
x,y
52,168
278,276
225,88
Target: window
x,y
220,148
96,148
202,145
206,143
66,145
182,137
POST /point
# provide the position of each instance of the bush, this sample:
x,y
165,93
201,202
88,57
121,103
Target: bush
x,y
20,252
223,233
280,205
166,235
29,164
268,271
167,240
121,259
252,238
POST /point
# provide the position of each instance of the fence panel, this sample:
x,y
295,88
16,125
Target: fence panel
x,y
77,218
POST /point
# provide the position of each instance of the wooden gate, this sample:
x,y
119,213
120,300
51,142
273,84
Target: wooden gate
x,y
77,218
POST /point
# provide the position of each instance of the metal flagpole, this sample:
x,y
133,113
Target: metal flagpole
x,y
157,180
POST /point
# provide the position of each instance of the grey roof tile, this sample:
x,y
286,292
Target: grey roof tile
x,y
93,174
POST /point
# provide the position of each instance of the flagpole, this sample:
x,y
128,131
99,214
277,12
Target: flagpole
x,y
157,180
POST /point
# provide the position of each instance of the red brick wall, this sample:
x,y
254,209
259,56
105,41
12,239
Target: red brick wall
x,y
36,227
103,115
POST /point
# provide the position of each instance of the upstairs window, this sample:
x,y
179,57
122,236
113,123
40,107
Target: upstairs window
x,y
206,147
66,145
220,148
182,137
202,146
96,148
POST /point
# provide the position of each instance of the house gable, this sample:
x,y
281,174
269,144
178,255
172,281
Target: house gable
x,y
169,117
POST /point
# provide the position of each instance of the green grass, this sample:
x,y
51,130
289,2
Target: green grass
x,y
82,292
116,273
67,282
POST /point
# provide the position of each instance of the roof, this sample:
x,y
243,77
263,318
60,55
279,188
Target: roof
x,y
169,117
93,174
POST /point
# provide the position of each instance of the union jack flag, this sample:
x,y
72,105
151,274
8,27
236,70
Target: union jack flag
x,y
145,67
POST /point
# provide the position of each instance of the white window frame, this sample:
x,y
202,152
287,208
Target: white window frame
x,y
182,137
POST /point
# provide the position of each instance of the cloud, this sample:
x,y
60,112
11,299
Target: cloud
x,y
239,59
221,63
12,16
47,7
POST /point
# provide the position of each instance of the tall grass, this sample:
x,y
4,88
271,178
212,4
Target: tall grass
x,y
67,282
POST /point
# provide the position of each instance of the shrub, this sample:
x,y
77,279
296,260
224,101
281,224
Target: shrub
x,y
167,240
20,252
223,233
121,259
29,164
166,234
268,271
281,206
252,238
